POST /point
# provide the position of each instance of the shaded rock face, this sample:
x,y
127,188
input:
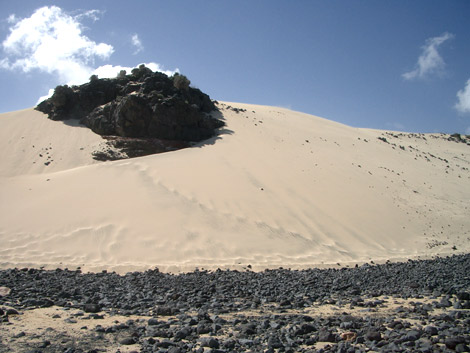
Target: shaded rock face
x,y
144,104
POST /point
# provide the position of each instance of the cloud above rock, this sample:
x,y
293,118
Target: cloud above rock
x,y
52,41
111,71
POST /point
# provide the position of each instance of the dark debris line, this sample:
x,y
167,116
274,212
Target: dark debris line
x,y
199,300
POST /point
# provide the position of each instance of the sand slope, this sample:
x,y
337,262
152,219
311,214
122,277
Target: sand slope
x,y
275,188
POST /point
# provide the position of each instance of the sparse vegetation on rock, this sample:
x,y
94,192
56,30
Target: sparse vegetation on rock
x,y
181,81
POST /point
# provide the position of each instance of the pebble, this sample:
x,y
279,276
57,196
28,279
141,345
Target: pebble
x,y
210,310
127,341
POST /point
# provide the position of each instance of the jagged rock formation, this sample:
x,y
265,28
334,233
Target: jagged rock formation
x,y
143,104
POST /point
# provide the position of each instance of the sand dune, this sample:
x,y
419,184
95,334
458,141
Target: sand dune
x,y
274,188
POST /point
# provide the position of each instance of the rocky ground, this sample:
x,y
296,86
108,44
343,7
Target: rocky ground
x,y
416,306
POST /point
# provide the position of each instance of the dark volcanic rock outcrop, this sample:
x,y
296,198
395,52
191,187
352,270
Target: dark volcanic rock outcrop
x,y
143,104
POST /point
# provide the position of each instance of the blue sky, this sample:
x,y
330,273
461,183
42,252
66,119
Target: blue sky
x,y
402,65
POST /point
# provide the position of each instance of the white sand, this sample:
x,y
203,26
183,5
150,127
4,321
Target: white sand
x,y
275,188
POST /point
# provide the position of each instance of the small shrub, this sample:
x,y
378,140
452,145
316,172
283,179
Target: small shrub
x,y
181,82
141,71
135,71
61,96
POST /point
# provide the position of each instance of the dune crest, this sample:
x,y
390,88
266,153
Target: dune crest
x,y
274,188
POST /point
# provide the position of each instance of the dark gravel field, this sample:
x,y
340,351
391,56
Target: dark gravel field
x,y
415,306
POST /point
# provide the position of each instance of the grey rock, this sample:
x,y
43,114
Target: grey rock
x,y
274,342
91,308
412,335
11,311
452,342
175,350
248,329
326,336
210,342
183,333
153,321
165,344
373,335
461,347
431,330
166,311
463,295
127,341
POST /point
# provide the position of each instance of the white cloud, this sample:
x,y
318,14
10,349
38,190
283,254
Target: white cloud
x,y
430,61
110,71
93,14
157,67
11,18
137,43
52,41
463,99
48,95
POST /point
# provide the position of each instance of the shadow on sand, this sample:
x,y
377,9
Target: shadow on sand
x,y
119,147
220,132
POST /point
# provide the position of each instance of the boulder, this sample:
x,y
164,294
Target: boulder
x,y
143,104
